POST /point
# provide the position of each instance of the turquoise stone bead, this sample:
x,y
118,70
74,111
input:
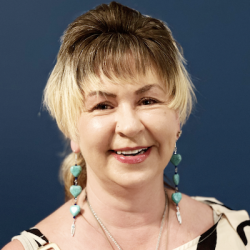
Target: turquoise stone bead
x,y
76,170
176,179
176,159
176,197
75,190
75,210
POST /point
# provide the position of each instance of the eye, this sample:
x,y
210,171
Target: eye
x,y
148,101
102,106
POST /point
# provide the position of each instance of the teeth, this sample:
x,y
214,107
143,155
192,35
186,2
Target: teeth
x,y
130,152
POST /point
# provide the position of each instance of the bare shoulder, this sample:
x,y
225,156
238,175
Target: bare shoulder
x,y
52,226
56,219
57,227
14,245
197,217
55,223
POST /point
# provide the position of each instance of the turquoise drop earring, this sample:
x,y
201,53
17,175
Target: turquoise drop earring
x,y
75,190
176,197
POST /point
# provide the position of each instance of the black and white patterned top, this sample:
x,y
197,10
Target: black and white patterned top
x,y
231,231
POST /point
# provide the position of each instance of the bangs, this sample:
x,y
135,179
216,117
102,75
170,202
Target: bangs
x,y
120,57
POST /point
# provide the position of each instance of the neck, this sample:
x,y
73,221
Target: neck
x,y
123,207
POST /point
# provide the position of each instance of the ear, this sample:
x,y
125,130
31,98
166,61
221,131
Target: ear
x,y
74,146
178,133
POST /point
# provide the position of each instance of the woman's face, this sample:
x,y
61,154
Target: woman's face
x,y
124,117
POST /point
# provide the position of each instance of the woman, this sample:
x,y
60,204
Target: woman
x,y
120,93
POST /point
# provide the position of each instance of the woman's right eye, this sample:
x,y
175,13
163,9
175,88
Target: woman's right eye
x,y
102,106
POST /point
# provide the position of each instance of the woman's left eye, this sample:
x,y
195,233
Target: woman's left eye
x,y
147,101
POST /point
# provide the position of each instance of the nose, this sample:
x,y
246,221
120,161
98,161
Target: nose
x,y
128,122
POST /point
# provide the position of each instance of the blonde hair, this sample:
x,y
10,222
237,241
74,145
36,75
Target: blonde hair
x,y
102,42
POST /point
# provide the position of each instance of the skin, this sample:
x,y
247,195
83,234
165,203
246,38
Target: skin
x,y
128,198
129,115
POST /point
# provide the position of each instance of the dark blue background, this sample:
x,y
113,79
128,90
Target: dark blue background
x,y
215,142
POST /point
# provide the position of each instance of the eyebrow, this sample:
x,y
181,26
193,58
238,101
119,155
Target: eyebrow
x,y
102,93
137,92
147,88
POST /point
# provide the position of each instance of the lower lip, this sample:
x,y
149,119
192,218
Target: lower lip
x,y
132,159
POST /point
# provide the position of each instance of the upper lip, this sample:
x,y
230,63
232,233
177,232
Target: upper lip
x,y
129,148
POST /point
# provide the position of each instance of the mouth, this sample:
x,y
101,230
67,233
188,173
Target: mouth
x,y
131,155
131,152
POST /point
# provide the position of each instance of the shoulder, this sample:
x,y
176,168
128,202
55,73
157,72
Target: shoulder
x,y
14,245
233,216
232,222
214,223
199,215
56,223
50,228
197,218
237,218
196,211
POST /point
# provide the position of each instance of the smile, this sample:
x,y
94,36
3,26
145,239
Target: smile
x,y
132,152
131,156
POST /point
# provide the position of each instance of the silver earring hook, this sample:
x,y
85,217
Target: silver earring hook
x,y
175,149
75,158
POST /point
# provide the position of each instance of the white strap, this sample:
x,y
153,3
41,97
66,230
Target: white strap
x,y
28,240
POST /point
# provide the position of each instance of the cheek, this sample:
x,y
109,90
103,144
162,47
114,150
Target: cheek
x,y
164,123
95,133
163,126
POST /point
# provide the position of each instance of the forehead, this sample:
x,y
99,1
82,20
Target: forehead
x,y
138,82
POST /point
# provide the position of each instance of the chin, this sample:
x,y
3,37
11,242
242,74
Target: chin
x,y
135,180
